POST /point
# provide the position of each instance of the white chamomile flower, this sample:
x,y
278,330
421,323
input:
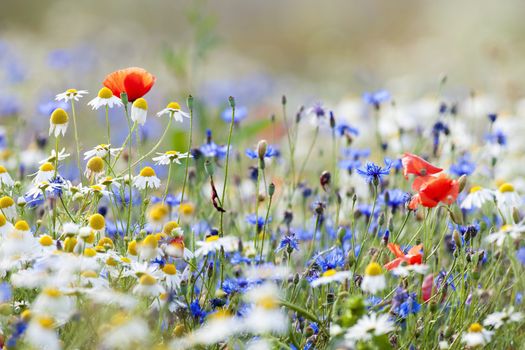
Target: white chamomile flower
x,y
403,270
101,151
146,178
125,332
5,226
71,94
106,98
170,157
8,207
173,110
58,122
45,173
498,319
476,336
373,281
512,231
172,276
213,243
507,198
331,275
95,167
41,334
369,326
53,157
477,197
148,286
139,111
5,178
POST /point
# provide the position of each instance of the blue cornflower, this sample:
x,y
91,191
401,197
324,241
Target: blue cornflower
x,y
5,292
349,164
521,255
396,164
464,166
237,259
397,198
197,312
318,110
373,173
332,260
241,113
270,152
211,149
46,108
356,153
492,117
497,137
405,303
438,129
345,129
290,242
376,98
259,221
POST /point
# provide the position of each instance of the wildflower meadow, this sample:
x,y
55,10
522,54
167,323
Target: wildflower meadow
x,y
130,222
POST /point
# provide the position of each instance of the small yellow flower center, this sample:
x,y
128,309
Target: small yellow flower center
x,y
159,236
89,274
2,170
71,91
45,240
267,302
69,244
105,93
475,189
119,319
47,167
147,280
97,222
169,227
125,259
147,172
506,228
169,269
212,238
158,212
172,153
2,220
25,315
173,105
150,241
329,273
90,252
6,202
475,328
52,292
22,225
221,314
96,188
132,247
96,164
59,116
106,242
46,322
373,269
506,187
111,262
186,208
140,103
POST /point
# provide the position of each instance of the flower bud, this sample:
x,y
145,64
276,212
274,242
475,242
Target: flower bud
x,y
262,146
189,102
271,189
231,99
462,182
209,167
124,97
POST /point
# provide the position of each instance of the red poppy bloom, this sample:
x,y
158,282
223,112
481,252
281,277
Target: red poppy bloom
x,y
413,164
136,82
413,257
435,189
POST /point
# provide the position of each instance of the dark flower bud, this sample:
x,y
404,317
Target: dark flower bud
x,y
189,102
232,101
324,180
124,97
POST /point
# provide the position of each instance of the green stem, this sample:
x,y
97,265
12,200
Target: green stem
x,y
187,160
226,167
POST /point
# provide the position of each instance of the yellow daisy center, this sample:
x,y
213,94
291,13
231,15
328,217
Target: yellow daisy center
x,y
173,105
97,222
52,292
47,167
169,269
158,212
69,244
267,302
46,322
212,238
150,241
2,220
506,227
25,315
6,202
45,240
132,247
89,274
105,93
329,273
169,227
96,164
125,259
186,208
2,169
71,91
147,280
475,189
140,103
90,252
506,187
147,172
106,242
475,328
373,269
22,225
59,116
111,262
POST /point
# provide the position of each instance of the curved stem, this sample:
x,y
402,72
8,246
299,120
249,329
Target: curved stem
x,y
226,168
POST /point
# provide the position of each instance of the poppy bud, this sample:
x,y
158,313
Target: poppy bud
x,y
189,102
271,189
262,146
456,216
457,239
232,101
124,97
332,120
516,215
283,100
462,182
325,180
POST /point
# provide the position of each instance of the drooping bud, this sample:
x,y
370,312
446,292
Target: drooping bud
x,y
231,99
462,182
457,239
271,189
325,179
262,146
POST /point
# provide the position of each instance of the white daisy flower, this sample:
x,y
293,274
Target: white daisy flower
x,y
266,315
105,97
507,198
8,207
95,167
101,151
146,178
172,277
170,157
330,276
125,332
477,197
5,178
512,231
53,157
139,111
45,173
148,286
476,336
498,319
53,302
373,281
58,122
5,226
71,94
369,326
404,270
173,110
41,334
213,243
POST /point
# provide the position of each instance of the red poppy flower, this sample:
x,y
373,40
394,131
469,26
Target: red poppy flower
x,y
136,82
413,257
435,189
413,164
